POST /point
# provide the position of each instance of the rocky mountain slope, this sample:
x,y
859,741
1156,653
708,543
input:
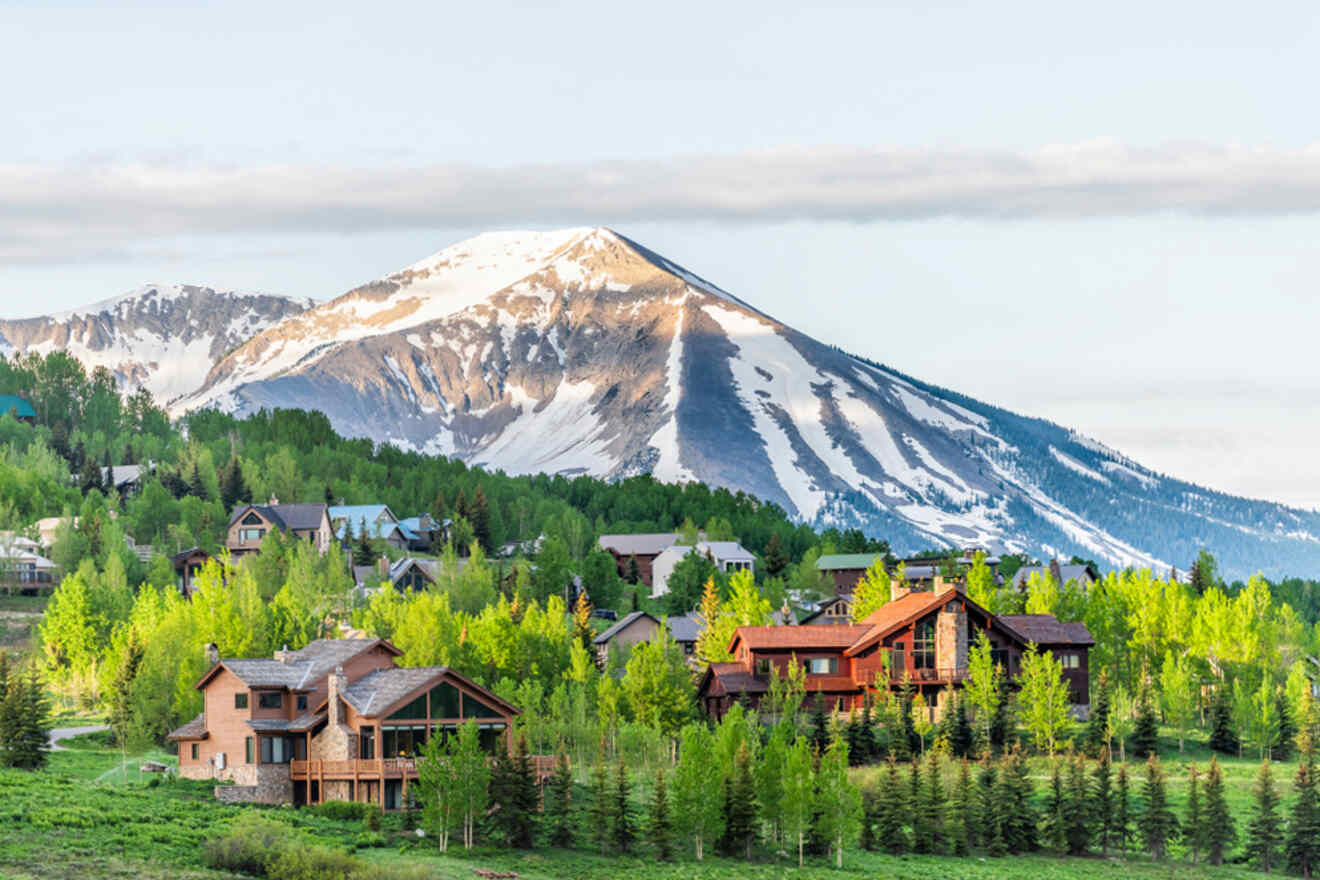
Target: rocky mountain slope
x,y
581,351
163,337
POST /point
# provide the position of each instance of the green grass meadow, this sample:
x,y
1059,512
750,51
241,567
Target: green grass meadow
x,y
82,818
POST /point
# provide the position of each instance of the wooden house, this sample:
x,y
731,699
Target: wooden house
x,y
250,523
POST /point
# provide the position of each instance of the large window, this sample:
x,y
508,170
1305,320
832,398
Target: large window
x,y
276,749
398,741
367,744
474,708
444,701
923,645
270,700
823,665
251,536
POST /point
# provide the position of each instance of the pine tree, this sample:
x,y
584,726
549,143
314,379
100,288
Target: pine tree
x,y
479,517
889,819
933,806
622,825
820,725
961,736
740,824
1054,826
659,827
1284,739
1302,848
1265,832
964,811
363,553
774,560
989,829
1076,814
1223,733
1018,820
560,802
1002,720
1158,824
1193,827
1097,728
121,713
1145,735
1102,800
870,813
601,813
634,571
1123,811
1220,831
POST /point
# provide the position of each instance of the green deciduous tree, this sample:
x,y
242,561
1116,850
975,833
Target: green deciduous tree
x,y
799,792
872,591
838,802
1044,699
698,801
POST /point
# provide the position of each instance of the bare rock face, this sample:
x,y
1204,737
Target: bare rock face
x,y
161,337
582,352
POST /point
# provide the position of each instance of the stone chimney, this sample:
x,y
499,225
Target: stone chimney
x,y
899,586
212,654
1056,572
284,655
383,566
337,684
951,638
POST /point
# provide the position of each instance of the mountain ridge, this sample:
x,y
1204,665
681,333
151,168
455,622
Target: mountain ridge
x,y
581,351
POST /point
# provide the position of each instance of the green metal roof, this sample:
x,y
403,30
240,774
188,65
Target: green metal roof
x,y
18,405
837,561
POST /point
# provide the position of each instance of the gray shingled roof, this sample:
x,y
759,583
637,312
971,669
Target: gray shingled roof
x,y
620,626
685,628
195,729
377,691
301,723
1080,573
1046,629
292,516
652,544
303,668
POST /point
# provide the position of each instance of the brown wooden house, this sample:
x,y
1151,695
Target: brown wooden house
x,y
250,523
642,547
336,720
925,638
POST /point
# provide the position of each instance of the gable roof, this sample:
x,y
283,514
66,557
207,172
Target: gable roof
x,y
623,624
734,678
1079,573
685,628
301,669
846,561
648,544
427,567
1046,629
378,692
381,521
303,517
21,407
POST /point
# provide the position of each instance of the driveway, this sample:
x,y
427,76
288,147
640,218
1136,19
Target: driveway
x,y
59,733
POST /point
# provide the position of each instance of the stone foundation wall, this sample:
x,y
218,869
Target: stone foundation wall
x,y
258,784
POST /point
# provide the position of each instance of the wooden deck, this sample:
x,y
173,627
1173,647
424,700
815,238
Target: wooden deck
x,y
381,770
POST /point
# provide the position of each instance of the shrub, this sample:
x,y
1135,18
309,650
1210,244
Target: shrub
x,y
315,863
371,817
368,839
343,811
251,846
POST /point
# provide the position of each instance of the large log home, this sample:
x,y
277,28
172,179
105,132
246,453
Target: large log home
x,y
337,720
926,637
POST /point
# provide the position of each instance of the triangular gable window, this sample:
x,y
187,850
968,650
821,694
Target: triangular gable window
x,y
252,520
444,701
474,708
415,709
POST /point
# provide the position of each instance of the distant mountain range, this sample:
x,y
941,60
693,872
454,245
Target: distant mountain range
x,y
583,352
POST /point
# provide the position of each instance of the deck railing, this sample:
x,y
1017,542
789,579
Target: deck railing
x,y
389,768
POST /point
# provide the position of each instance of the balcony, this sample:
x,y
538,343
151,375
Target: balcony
x,y
932,675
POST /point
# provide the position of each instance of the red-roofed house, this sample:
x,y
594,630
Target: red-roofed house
x,y
924,635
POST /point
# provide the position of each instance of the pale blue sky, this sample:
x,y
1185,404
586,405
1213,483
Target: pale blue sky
x,y
1109,213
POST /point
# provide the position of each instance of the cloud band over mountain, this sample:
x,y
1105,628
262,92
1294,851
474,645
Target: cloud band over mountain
x,y
51,213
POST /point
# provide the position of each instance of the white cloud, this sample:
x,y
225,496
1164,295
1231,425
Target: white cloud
x,y
52,213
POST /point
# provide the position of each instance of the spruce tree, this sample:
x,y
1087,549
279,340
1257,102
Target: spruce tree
x,y
870,813
1158,824
1123,811
934,804
634,571
560,805
1102,800
820,725
1145,734
961,735
1285,738
363,553
622,826
1002,720
889,818
1302,848
1054,822
1223,733
1018,820
1076,814
1097,728
916,808
479,517
602,807
659,827
1265,832
866,736
740,824
1193,827
989,829
1220,831
774,560
963,819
